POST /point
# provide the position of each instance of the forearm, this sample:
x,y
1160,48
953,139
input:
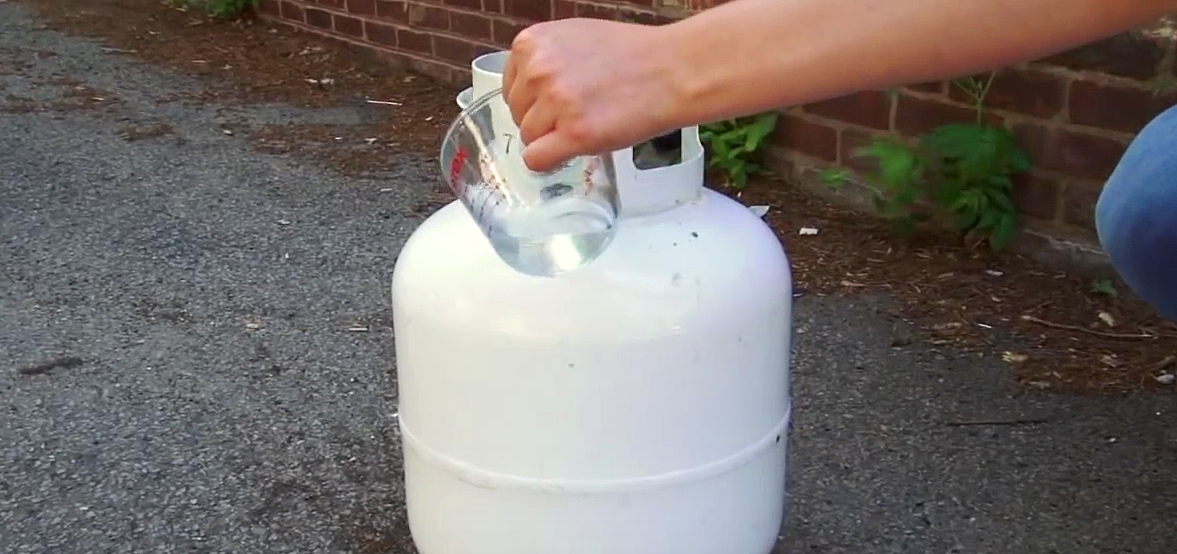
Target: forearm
x,y
752,55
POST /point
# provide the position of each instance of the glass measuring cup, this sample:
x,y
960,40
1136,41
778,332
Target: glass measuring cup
x,y
540,224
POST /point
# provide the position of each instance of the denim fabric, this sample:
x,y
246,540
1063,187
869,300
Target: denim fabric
x,y
1136,216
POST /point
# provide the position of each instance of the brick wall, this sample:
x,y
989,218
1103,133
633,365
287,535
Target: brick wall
x,y
1074,112
441,37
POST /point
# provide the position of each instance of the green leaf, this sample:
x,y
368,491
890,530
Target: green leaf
x,y
987,220
1000,199
1104,287
946,192
965,221
998,182
907,196
834,177
898,165
740,180
763,126
720,149
1019,161
734,136
964,203
1003,231
955,140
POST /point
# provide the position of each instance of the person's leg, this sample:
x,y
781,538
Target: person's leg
x,y
1136,216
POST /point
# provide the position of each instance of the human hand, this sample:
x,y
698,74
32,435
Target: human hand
x,y
580,87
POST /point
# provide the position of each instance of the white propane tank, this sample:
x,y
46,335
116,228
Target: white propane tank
x,y
639,405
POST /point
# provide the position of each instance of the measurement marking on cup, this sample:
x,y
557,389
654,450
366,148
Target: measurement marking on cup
x,y
510,137
485,194
589,168
456,167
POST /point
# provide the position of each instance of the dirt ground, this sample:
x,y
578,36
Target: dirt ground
x,y
1071,335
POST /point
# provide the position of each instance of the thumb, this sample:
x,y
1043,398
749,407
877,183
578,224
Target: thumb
x,y
549,151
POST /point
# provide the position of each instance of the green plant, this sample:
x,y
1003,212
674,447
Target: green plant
x,y
965,169
835,177
1104,287
224,9
737,144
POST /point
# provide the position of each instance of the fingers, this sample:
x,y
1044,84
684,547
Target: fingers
x,y
536,105
537,121
549,151
517,91
522,98
509,73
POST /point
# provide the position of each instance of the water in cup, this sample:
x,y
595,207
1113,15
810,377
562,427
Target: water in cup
x,y
541,224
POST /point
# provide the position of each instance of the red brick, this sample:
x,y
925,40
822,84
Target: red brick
x,y
271,8
429,17
806,137
1069,151
475,26
480,49
395,10
868,109
380,34
1131,55
1079,198
933,88
349,26
440,71
532,10
362,7
563,9
475,5
642,18
1036,196
1116,108
338,4
851,140
596,12
453,50
915,116
414,41
292,11
504,31
492,6
318,18
1025,91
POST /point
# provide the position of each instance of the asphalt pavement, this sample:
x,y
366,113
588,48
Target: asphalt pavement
x,y
183,366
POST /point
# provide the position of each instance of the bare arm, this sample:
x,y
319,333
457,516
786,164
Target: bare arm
x,y
582,86
768,53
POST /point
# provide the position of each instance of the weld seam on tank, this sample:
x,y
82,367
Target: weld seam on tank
x,y
492,480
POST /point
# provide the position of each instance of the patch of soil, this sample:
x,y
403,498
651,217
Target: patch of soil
x,y
73,98
16,104
1070,337
136,132
353,150
260,62
1074,336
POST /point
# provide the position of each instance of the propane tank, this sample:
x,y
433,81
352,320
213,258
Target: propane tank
x,y
638,405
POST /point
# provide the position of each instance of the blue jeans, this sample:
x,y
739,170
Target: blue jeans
x,y
1136,216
